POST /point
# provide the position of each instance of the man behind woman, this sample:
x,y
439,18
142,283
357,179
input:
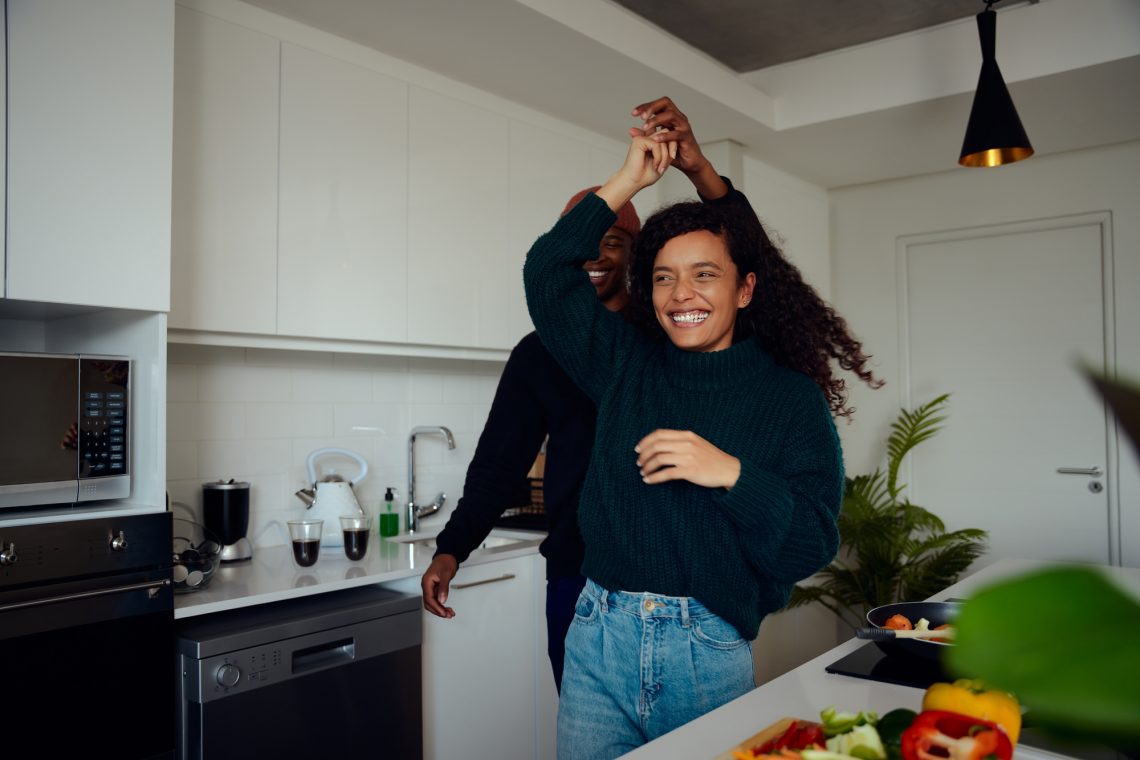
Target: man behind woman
x,y
716,473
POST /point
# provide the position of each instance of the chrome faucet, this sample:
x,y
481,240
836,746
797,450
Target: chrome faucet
x,y
414,510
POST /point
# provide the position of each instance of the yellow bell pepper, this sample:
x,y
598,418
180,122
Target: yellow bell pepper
x,y
972,698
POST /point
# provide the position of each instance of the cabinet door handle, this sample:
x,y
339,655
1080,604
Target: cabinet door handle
x,y
504,577
1092,472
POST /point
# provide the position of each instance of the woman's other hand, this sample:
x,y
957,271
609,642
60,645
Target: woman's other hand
x,y
435,583
666,455
644,164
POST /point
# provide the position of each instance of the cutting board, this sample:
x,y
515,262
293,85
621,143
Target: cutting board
x,y
771,732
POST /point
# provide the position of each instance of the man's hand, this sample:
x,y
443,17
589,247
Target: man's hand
x,y
664,123
666,455
435,583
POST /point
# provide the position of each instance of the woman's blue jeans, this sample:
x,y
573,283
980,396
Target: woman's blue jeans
x,y
639,665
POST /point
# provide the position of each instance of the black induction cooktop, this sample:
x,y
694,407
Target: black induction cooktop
x,y
868,661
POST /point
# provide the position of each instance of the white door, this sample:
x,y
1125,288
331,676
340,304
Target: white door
x,y
1000,317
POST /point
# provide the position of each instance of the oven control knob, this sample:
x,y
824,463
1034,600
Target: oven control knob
x,y
119,542
8,555
228,675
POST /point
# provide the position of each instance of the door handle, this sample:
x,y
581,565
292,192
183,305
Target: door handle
x,y
1092,472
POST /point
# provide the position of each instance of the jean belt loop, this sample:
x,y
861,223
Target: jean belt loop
x,y
605,599
684,612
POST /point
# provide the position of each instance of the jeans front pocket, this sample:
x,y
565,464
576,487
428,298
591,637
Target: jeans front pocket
x,y
715,632
585,609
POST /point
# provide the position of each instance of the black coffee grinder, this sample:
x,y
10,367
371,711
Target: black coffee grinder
x,y
225,508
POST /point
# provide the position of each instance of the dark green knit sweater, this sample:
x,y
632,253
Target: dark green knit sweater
x,y
737,551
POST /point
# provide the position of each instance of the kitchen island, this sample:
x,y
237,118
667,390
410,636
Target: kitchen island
x,y
803,692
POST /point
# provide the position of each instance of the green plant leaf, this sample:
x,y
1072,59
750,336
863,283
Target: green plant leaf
x,y
909,430
890,549
1066,642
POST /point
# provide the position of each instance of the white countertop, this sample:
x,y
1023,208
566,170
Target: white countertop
x,y
271,575
803,692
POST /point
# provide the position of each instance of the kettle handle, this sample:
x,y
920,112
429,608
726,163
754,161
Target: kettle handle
x,y
311,463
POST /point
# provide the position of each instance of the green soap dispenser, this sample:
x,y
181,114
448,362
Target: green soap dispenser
x,y
389,520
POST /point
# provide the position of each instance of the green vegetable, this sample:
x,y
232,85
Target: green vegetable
x,y
891,727
835,722
861,742
822,754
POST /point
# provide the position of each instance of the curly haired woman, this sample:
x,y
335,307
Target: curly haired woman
x,y
716,474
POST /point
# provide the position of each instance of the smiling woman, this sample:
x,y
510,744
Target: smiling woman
x,y
716,473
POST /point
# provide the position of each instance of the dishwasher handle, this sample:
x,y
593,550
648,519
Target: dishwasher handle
x,y
326,655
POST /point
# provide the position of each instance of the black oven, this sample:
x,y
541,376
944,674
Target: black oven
x,y
86,639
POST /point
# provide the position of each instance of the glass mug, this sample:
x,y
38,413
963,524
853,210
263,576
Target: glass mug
x,y
306,537
356,529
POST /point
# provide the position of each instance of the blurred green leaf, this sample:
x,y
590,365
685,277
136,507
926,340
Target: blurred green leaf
x,y
1066,642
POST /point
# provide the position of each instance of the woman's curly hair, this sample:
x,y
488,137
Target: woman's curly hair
x,y
793,324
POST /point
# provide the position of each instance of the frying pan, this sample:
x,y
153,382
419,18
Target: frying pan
x,y
937,613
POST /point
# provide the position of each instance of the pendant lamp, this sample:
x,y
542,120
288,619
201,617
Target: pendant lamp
x,y
994,135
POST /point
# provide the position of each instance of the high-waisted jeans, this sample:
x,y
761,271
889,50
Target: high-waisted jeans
x,y
639,665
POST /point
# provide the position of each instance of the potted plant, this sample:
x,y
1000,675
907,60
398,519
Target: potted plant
x,y
890,549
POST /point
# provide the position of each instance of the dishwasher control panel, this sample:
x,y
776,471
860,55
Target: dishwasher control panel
x,y
239,670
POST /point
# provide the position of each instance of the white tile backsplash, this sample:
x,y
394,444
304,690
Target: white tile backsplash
x,y
221,382
427,388
289,420
332,385
256,414
366,420
182,382
181,460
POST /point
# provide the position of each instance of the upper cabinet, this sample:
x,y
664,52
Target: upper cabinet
x,y
324,193
89,119
458,223
342,255
224,230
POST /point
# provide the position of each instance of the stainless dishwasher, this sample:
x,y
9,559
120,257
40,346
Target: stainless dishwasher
x,y
330,675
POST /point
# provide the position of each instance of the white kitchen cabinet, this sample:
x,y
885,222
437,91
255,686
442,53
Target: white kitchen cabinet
x,y
342,263
224,237
458,222
89,94
546,170
480,678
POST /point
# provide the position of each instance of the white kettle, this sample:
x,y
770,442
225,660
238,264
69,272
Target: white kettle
x,y
332,497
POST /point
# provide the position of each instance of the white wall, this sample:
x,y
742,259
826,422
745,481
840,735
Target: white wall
x,y
255,414
796,213
867,221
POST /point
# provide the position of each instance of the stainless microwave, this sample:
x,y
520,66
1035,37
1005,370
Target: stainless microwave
x,y
66,428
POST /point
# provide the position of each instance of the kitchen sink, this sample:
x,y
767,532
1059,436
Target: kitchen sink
x,y
496,539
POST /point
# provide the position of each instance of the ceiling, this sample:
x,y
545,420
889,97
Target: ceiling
x,y
835,92
746,35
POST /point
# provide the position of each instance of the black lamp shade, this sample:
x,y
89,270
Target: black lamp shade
x,y
994,134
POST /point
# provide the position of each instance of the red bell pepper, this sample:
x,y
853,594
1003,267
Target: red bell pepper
x,y
801,734
938,735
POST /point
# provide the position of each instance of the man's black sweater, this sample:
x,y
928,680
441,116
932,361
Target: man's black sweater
x,y
535,398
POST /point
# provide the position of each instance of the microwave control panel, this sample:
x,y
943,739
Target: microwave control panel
x,y
104,417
